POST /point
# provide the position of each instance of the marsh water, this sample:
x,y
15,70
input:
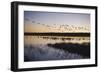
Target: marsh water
x,y
43,48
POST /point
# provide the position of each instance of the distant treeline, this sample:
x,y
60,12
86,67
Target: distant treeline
x,y
56,34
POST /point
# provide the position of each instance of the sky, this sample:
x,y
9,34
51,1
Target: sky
x,y
39,21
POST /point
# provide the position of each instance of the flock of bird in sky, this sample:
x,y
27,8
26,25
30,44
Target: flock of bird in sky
x,y
62,26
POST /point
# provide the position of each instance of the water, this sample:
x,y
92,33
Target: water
x,y
43,48
31,40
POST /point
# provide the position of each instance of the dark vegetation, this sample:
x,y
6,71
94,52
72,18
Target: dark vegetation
x,y
81,49
57,34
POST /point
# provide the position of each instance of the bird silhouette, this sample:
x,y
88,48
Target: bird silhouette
x,y
33,21
38,23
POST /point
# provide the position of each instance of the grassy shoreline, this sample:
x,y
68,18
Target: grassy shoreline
x,y
81,49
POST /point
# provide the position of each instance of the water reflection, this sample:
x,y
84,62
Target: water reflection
x,y
43,48
55,39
